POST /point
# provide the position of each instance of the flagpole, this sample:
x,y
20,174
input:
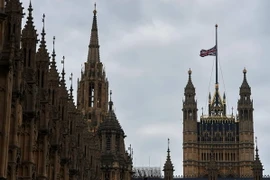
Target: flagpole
x,y
216,67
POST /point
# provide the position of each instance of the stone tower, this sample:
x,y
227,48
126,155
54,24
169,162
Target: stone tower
x,y
190,151
116,163
246,130
93,86
168,166
226,139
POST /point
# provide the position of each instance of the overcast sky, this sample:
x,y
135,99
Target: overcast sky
x,y
147,47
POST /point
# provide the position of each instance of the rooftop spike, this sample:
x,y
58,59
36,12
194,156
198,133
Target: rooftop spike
x,y
168,147
257,154
71,89
63,70
93,51
53,52
110,103
43,42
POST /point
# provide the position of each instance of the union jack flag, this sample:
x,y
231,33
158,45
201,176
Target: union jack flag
x,y
209,52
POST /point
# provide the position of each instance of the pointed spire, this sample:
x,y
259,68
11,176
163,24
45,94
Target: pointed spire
x,y
257,154
71,89
245,88
168,166
43,42
53,73
29,28
245,83
190,85
30,16
63,71
93,52
168,156
110,102
53,53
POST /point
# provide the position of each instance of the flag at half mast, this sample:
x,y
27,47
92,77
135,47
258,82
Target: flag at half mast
x,y
209,52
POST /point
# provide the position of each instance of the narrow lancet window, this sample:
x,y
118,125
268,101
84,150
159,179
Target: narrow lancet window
x,y
91,94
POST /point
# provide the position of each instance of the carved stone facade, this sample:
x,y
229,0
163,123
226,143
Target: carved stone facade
x,y
43,134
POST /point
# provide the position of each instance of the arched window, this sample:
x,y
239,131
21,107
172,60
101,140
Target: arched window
x,y
108,142
99,95
117,143
91,97
29,58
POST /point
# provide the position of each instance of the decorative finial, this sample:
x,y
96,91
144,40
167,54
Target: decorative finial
x,y
110,102
71,89
63,62
189,71
71,78
168,143
95,9
30,9
53,42
43,20
110,95
53,52
245,71
216,25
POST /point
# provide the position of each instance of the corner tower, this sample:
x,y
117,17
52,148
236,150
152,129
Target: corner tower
x,y
190,149
246,130
93,85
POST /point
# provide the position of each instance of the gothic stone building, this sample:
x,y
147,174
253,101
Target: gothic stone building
x,y
219,145
43,134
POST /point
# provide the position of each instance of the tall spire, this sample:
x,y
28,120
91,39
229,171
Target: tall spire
x,y
168,151
43,42
110,103
71,89
93,51
257,154
168,166
63,71
53,53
